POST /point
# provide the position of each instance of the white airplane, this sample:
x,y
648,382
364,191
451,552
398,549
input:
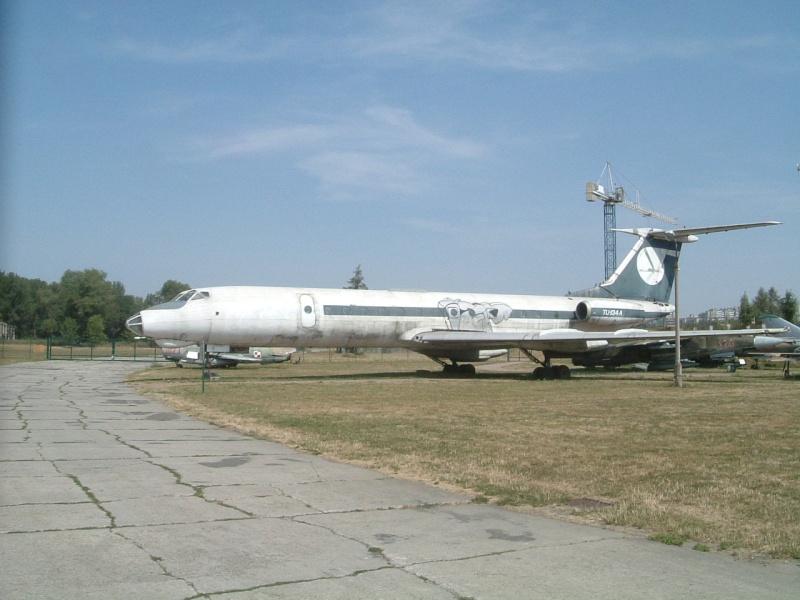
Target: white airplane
x,y
455,327
783,347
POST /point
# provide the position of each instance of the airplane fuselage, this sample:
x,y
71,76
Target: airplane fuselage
x,y
459,327
314,317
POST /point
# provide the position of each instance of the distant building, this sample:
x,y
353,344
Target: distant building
x,y
720,315
7,332
717,318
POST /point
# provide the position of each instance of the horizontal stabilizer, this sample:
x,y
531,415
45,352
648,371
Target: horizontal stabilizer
x,y
688,234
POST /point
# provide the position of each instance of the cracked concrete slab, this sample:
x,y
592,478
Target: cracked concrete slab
x,y
454,533
26,518
608,568
270,506
349,495
166,510
258,553
123,479
91,564
79,451
384,584
105,494
206,447
41,490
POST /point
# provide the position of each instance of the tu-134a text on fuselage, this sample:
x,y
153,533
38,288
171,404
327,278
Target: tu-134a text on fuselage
x,y
454,329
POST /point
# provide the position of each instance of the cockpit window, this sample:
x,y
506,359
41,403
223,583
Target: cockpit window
x,y
191,295
184,296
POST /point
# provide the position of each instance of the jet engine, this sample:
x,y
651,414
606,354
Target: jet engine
x,y
617,313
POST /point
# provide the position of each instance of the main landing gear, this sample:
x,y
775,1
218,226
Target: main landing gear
x,y
545,370
551,372
465,369
786,373
453,368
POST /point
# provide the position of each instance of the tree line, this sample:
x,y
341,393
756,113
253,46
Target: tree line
x,y
83,304
768,302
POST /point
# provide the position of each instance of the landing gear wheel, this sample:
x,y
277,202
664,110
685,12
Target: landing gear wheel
x,y
466,369
551,373
562,372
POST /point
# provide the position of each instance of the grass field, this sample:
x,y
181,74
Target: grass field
x,y
715,463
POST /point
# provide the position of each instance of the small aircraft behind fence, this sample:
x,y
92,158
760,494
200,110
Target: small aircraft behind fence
x,y
454,329
783,347
222,357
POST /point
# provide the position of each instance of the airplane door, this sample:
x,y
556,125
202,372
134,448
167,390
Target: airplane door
x,y
308,313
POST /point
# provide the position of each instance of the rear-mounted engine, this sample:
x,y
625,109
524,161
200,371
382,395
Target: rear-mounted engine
x,y
617,313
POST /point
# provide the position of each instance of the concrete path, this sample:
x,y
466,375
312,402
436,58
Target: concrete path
x,y
106,494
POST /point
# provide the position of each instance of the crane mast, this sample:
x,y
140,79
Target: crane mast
x,y
613,195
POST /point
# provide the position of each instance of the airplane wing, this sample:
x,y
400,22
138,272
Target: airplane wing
x,y
562,340
242,358
255,358
776,356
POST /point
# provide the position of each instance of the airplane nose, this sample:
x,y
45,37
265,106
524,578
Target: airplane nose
x,y
134,323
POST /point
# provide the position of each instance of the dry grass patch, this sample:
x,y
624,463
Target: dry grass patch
x,y
717,461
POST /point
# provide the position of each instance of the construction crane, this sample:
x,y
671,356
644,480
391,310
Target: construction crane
x,y
611,194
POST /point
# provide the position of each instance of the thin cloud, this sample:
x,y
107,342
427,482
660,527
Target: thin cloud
x,y
484,35
411,32
382,150
431,226
345,173
265,140
239,46
378,128
489,35
481,34
399,125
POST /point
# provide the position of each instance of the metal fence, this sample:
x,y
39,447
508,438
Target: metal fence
x,y
23,350
83,349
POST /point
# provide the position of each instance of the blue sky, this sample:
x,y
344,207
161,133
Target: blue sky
x,y
441,145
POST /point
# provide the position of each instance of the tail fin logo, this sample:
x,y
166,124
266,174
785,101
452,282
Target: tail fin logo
x,y
649,265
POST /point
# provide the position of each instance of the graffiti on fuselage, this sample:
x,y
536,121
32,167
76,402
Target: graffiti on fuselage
x,y
473,316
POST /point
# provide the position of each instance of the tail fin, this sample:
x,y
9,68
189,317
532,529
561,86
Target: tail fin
x,y
646,273
774,322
